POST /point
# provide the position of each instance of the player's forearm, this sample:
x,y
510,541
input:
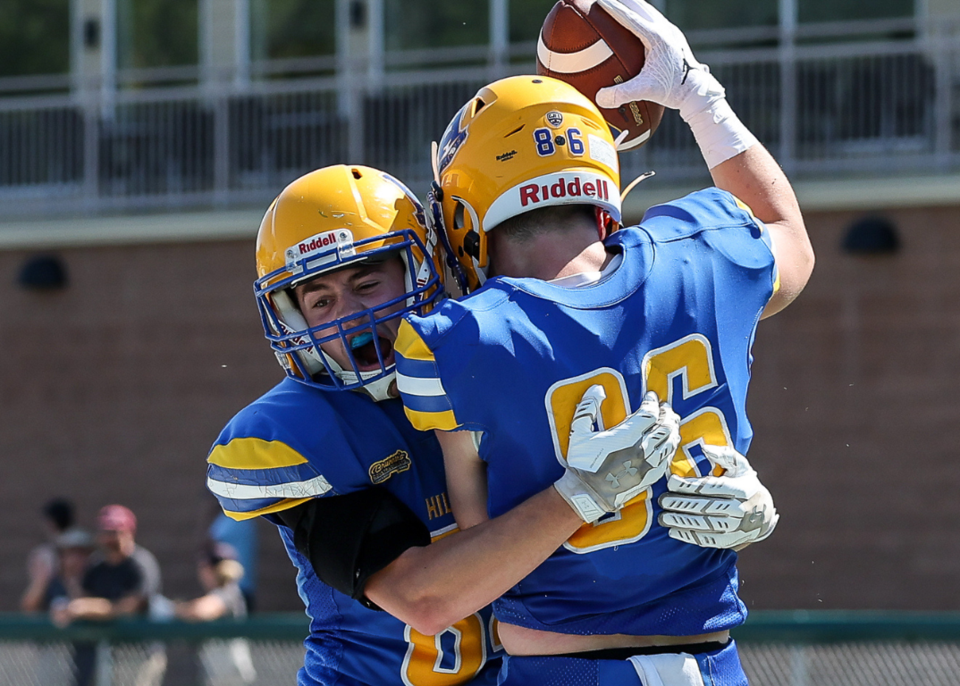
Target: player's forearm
x,y
433,587
755,178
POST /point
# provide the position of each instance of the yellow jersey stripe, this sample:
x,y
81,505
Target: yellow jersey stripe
x,y
410,345
276,507
255,453
744,206
424,421
443,533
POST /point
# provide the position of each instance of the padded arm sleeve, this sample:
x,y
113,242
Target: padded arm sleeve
x,y
348,538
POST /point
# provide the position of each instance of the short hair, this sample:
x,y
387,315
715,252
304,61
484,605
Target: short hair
x,y
60,512
524,226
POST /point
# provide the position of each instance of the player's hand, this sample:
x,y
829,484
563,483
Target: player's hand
x,y
607,468
671,75
729,511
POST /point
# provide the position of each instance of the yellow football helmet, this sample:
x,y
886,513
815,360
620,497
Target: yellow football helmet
x,y
521,143
329,219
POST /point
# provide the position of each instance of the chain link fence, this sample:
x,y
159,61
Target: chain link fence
x,y
216,662
778,649
854,663
262,651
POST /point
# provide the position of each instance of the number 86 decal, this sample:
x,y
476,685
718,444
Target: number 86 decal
x,y
690,358
547,144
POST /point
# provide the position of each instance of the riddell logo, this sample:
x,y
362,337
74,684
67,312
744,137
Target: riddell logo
x,y
533,193
321,240
325,247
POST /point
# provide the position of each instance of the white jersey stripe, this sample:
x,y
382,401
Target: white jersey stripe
x,y
415,385
573,62
296,489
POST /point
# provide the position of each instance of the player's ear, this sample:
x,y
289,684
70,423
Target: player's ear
x,y
605,223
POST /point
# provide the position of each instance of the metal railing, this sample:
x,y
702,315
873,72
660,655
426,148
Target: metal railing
x,y
777,649
824,105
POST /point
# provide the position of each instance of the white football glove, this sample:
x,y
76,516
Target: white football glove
x,y
607,468
729,511
672,77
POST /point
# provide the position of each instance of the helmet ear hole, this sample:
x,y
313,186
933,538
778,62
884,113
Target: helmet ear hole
x,y
458,217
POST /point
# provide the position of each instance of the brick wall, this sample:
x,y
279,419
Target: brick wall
x,y
856,415
113,389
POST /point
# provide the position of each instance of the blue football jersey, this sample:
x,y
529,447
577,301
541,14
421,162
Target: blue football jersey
x,y
677,316
298,442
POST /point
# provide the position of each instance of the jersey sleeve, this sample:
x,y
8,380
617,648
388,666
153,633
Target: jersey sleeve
x,y
766,239
253,476
425,400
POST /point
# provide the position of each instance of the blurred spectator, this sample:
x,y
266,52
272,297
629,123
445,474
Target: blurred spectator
x,y
58,518
65,580
119,583
242,536
123,575
219,573
224,662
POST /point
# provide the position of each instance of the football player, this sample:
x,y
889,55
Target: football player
x,y
359,494
564,303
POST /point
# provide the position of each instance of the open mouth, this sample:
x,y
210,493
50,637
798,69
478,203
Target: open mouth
x,y
364,349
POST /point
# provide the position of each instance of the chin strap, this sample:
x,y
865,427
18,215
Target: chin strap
x,y
378,390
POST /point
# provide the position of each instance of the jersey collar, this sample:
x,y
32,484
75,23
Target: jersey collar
x,y
615,284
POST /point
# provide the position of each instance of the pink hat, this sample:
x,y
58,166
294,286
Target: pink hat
x,y
116,518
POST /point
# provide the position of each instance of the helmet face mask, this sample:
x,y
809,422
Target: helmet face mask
x,y
341,219
521,143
